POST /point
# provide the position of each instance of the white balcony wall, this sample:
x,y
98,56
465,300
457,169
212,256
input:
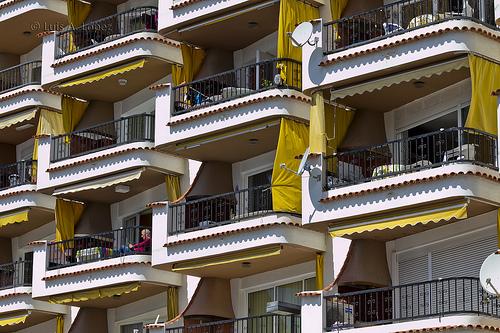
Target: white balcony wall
x,y
22,7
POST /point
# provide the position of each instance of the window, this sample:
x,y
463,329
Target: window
x,y
257,301
131,328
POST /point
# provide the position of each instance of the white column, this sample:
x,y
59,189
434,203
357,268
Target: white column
x,y
159,233
312,319
312,188
164,105
43,162
39,267
48,55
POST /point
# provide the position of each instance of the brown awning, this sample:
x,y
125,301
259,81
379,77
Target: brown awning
x,y
202,302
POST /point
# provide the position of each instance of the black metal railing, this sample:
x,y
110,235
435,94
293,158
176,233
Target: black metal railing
x,y
244,81
17,274
140,19
437,298
20,76
19,173
272,323
101,246
399,17
447,146
219,209
137,128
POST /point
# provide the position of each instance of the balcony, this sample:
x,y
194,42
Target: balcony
x,y
244,103
271,323
428,151
237,83
20,76
72,40
109,59
137,128
411,302
16,174
90,269
401,17
17,274
220,209
101,246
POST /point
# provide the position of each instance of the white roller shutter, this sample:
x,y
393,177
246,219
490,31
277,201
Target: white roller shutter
x,y
413,270
463,260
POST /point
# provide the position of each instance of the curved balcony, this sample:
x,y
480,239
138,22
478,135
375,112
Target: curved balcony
x,y
137,128
72,40
16,174
400,17
17,274
450,146
281,73
437,298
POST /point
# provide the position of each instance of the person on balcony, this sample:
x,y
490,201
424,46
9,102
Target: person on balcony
x,y
144,245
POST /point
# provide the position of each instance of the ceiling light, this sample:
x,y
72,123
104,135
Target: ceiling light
x,y
418,84
252,25
24,127
26,33
253,141
246,264
122,82
122,189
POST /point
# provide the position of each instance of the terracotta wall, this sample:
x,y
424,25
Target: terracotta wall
x,y
367,128
90,320
5,251
95,218
98,112
8,60
216,61
213,178
358,6
8,154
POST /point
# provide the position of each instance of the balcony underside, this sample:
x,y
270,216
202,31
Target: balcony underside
x,y
34,318
85,191
37,216
14,40
109,88
145,290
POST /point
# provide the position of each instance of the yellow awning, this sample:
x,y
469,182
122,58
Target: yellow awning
x,y
95,294
16,217
101,183
228,258
105,74
13,321
16,118
391,221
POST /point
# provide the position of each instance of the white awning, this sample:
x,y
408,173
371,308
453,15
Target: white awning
x,y
101,182
416,74
16,118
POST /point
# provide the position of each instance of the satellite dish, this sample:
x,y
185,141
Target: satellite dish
x,y
302,165
489,275
302,34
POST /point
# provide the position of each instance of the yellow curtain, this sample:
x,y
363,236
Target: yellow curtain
x,y
172,302
49,123
87,295
317,124
60,324
485,77
68,214
192,59
78,11
337,7
173,187
320,266
292,13
286,187
72,112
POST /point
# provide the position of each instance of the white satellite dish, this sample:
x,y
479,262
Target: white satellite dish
x,y
302,34
302,165
489,275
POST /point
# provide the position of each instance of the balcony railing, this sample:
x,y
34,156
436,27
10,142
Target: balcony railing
x,y
19,173
220,209
271,323
453,145
400,17
437,298
20,76
138,128
244,81
72,40
17,274
101,246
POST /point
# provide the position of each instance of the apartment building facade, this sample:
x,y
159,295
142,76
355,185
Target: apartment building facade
x,y
180,166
